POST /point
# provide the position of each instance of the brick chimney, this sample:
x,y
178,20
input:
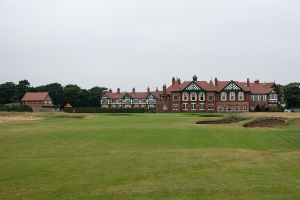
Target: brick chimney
x,y
118,90
248,82
195,78
148,90
179,81
256,81
216,81
109,91
164,90
133,90
173,81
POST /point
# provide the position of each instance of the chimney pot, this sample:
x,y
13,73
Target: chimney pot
x,y
118,90
248,82
148,89
173,80
133,90
195,78
216,81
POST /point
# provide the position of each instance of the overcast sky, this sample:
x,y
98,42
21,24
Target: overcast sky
x,y
118,43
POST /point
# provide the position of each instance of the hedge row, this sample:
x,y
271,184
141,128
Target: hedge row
x,y
15,108
106,110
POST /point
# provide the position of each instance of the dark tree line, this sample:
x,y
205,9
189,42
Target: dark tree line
x,y
73,94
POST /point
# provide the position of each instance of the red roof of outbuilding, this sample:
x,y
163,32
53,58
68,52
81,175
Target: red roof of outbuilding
x,y
34,96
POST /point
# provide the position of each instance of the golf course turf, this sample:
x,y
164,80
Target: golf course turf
x,y
146,156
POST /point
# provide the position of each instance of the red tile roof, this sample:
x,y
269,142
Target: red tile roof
x,y
34,96
68,105
135,95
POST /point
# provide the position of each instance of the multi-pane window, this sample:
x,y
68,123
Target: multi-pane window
x,y
244,107
175,107
193,96
232,96
193,106
175,97
201,96
241,96
273,96
185,106
210,107
223,96
201,106
255,97
220,108
237,108
210,96
185,96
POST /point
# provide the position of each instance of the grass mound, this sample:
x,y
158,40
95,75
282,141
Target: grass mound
x,y
227,119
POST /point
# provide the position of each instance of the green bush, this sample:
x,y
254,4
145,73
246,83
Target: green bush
x,y
106,110
15,108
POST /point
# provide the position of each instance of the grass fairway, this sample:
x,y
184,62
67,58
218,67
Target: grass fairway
x,y
147,156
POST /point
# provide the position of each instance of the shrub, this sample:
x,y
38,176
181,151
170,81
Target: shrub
x,y
106,110
15,108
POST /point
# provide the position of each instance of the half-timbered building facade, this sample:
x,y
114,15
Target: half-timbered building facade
x,y
198,96
132,99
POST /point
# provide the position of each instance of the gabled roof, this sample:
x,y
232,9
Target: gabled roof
x,y
34,96
223,84
68,105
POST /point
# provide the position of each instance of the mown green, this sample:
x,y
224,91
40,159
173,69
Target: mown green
x,y
147,156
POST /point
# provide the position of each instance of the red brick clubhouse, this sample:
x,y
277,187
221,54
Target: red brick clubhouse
x,y
198,96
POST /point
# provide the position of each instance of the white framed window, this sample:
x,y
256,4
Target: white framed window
x,y
273,97
202,106
175,97
193,106
193,96
185,96
237,108
232,96
220,108
223,96
241,96
244,107
210,107
201,96
175,106
184,106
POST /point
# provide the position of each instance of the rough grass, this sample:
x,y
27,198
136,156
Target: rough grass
x,y
147,156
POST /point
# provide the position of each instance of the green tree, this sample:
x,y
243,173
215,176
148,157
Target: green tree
x,y
56,92
292,95
72,95
22,87
7,91
95,94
